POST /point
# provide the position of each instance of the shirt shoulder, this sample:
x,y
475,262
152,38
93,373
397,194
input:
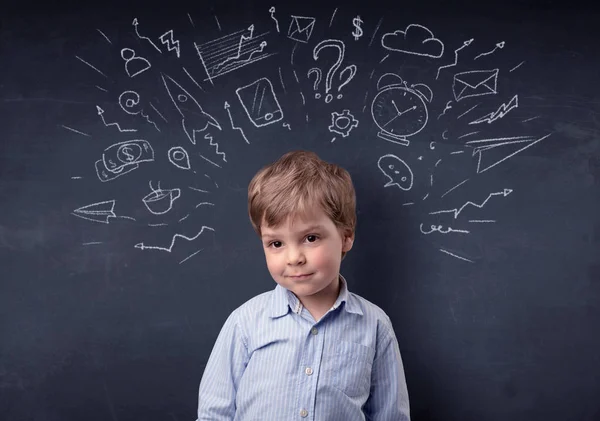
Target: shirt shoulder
x,y
255,308
369,308
375,315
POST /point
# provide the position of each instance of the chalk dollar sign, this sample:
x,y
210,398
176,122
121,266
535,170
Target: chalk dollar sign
x,y
358,32
128,152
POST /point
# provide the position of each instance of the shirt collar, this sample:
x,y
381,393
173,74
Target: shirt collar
x,y
283,300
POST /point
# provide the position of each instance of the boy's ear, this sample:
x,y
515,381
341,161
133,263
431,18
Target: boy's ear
x,y
347,242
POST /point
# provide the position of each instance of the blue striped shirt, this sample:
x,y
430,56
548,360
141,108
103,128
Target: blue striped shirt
x,y
273,362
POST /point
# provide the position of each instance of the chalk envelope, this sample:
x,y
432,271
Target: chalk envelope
x,y
474,83
301,28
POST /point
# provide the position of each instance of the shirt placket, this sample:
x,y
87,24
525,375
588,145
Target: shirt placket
x,y
310,366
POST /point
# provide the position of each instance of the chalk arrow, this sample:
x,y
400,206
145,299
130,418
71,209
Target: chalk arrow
x,y
457,211
227,106
101,112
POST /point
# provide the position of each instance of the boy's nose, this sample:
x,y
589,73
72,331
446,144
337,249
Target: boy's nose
x,y
295,256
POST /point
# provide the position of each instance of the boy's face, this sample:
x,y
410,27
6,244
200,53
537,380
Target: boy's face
x,y
304,255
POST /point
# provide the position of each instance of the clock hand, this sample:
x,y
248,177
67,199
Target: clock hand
x,y
393,118
408,109
399,113
396,107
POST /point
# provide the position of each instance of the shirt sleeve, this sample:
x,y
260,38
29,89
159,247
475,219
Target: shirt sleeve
x,y
222,374
388,399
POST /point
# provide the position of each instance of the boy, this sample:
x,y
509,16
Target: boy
x,y
309,349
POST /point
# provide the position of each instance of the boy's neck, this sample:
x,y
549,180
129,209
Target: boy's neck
x,y
319,304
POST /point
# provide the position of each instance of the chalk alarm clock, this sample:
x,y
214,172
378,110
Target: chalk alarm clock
x,y
399,110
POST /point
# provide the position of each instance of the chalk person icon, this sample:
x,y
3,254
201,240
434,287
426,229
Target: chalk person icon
x,y
134,65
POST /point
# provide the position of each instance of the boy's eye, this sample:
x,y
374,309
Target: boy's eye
x,y
311,238
275,244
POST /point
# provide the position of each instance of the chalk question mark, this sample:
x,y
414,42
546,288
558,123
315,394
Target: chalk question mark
x,y
339,45
317,79
352,70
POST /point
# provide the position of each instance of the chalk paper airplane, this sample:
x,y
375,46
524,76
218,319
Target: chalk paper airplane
x,y
505,148
97,212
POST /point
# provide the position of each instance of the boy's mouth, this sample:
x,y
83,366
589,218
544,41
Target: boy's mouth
x,y
300,276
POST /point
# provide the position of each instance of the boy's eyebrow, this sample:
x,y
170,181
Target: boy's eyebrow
x,y
308,229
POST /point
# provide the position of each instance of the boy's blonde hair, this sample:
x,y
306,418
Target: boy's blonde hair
x,y
295,184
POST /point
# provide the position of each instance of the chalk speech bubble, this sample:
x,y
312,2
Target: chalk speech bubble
x,y
397,171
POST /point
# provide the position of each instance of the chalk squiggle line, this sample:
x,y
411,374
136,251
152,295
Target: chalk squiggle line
x,y
142,246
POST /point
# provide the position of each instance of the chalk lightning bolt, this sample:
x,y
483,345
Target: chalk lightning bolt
x,y
170,42
208,137
499,113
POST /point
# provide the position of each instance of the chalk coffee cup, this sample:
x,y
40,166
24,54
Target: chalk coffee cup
x,y
161,201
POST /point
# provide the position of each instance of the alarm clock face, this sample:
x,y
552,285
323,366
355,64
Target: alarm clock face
x,y
399,111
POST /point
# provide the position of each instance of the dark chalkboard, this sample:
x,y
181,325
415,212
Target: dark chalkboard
x,y
129,135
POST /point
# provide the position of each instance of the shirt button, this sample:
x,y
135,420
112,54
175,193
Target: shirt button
x,y
314,331
304,413
308,371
